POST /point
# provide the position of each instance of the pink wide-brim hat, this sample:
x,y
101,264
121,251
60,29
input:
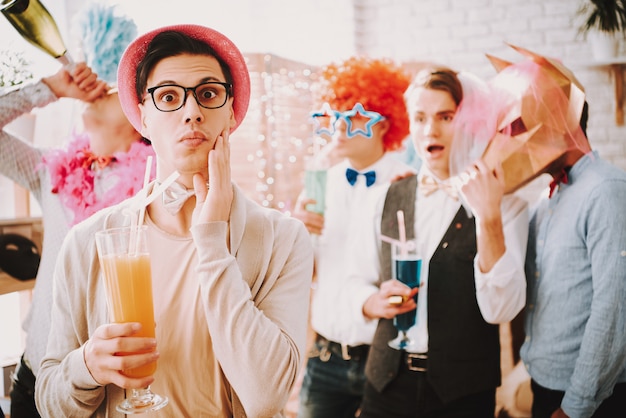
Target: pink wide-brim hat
x,y
225,49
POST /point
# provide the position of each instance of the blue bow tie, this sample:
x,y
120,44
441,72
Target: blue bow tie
x,y
370,177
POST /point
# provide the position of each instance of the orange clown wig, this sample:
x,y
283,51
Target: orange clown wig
x,y
378,84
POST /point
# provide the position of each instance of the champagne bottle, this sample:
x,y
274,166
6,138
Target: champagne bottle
x,y
33,21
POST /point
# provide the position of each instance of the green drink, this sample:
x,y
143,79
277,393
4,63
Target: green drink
x,y
315,188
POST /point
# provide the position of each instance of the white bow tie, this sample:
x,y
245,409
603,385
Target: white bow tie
x,y
175,196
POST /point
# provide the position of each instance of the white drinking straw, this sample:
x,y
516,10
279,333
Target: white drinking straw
x,y
402,232
158,191
146,180
136,222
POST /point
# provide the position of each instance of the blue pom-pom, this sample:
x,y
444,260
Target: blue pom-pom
x,y
104,32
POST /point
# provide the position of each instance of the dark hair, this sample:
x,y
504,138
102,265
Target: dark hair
x,y
169,44
584,116
438,78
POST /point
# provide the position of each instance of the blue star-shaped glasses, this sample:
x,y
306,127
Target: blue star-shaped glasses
x,y
326,120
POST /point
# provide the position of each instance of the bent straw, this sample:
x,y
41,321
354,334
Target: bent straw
x,y
390,240
146,180
408,244
402,232
157,191
141,204
134,226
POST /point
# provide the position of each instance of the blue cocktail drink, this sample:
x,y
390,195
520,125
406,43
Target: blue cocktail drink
x,y
408,272
406,266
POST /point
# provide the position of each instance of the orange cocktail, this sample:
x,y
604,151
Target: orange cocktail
x,y
125,262
129,286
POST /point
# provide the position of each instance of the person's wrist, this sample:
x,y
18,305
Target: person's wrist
x,y
51,83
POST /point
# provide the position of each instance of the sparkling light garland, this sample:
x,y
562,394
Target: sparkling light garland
x,y
268,150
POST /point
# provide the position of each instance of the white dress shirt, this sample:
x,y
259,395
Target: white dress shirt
x,y
349,240
500,293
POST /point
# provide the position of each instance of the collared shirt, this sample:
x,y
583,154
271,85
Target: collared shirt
x,y
576,269
348,240
500,291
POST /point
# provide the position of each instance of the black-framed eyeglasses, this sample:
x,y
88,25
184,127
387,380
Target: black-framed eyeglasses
x,y
171,97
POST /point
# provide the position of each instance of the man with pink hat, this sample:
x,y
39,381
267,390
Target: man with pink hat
x,y
230,279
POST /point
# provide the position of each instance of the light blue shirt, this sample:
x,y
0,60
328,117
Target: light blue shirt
x,y
576,303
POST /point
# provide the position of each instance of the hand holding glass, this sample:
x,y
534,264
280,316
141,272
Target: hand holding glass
x,y
406,265
125,262
315,185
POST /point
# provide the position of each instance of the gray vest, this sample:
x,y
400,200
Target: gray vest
x,y
464,350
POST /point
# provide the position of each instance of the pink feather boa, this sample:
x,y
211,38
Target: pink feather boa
x,y
74,180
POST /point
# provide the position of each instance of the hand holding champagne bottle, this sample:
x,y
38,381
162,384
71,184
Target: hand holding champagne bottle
x,y
33,21
79,82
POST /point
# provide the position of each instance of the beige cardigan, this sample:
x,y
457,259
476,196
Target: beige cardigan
x,y
270,263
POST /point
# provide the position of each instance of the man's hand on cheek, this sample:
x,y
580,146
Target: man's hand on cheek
x,y
214,204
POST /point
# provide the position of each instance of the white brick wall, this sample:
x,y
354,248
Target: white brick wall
x,y
459,32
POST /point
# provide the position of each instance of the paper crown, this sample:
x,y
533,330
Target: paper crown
x,y
539,103
104,32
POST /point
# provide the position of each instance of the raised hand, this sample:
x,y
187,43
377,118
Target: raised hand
x,y
313,221
78,83
482,189
214,203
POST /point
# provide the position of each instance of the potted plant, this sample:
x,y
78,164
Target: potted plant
x,y
603,25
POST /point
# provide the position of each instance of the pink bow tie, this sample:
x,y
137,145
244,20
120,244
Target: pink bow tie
x,y
429,185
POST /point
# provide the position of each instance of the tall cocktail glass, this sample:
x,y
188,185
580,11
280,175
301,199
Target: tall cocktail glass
x,y
315,186
406,266
125,261
315,182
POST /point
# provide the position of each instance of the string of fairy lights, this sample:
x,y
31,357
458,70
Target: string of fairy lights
x,y
276,137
